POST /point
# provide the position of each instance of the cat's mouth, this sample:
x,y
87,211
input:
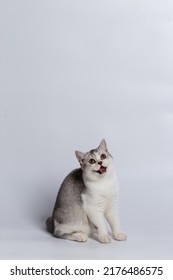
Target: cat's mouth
x,y
101,170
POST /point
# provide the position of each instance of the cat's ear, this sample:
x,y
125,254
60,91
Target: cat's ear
x,y
103,145
80,156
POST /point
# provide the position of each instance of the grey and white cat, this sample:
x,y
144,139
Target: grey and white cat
x,y
86,197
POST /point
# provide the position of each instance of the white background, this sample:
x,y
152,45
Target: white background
x,y
72,73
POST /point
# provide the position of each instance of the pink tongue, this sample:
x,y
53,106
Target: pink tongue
x,y
102,170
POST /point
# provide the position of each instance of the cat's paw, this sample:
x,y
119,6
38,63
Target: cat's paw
x,y
80,237
104,239
77,236
120,236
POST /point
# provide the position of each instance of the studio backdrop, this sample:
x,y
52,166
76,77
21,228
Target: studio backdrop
x,y
71,74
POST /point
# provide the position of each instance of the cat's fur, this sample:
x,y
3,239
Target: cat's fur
x,y
86,197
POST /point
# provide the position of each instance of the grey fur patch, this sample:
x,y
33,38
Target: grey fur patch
x,y
68,214
92,152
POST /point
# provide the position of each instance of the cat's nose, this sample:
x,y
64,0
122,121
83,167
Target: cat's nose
x,y
100,162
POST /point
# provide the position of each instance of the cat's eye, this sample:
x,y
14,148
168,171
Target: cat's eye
x,y
103,156
92,161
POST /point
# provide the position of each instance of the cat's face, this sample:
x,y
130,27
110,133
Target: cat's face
x,y
97,162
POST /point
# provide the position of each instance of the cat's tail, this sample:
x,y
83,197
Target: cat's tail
x,y
50,225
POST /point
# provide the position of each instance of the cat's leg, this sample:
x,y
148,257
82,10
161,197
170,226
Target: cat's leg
x,y
74,232
74,236
97,219
112,215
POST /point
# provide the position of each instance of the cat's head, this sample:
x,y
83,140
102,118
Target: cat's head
x,y
96,163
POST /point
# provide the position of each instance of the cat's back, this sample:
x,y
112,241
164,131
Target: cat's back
x,y
68,206
73,181
71,188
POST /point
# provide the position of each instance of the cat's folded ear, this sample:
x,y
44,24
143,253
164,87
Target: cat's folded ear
x,y
80,156
103,145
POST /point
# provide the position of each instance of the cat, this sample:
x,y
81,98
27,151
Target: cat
x,y
86,197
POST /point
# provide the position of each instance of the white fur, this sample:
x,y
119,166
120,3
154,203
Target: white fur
x,y
101,200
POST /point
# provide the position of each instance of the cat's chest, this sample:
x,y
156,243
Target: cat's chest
x,y
99,194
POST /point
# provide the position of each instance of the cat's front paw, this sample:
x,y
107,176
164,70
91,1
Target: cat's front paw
x,y
120,236
104,239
